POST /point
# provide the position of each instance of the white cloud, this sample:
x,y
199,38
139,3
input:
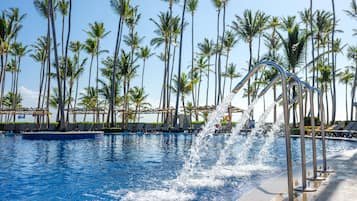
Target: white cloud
x,y
29,97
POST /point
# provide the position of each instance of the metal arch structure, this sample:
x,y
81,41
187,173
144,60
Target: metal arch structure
x,y
283,76
299,99
297,82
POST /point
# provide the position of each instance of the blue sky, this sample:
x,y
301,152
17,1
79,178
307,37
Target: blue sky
x,y
88,11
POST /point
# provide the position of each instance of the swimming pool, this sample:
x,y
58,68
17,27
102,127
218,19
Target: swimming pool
x,y
133,166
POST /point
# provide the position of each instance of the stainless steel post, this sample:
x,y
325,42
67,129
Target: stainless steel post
x,y
286,115
313,135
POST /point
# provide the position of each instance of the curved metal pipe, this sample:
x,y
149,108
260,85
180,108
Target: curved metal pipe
x,y
313,134
283,77
297,82
322,128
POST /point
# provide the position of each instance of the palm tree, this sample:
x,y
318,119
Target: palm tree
x,y
231,73
121,7
325,79
89,100
43,8
333,62
247,28
74,71
18,50
229,42
179,62
144,53
62,124
206,49
191,8
201,69
138,96
218,5
76,47
163,31
293,49
346,78
184,84
352,54
97,32
40,55
90,46
63,9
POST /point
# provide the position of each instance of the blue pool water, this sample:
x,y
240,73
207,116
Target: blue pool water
x,y
115,166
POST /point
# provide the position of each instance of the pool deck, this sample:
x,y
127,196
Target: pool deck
x,y
339,186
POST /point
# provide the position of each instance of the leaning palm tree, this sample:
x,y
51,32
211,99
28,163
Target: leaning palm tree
x,y
122,8
63,9
206,49
247,28
346,78
144,53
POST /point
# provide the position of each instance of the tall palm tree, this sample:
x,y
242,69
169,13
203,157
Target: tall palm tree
x,y
63,9
90,46
352,54
43,8
19,51
179,62
122,8
88,100
346,78
97,32
206,49
144,53
218,4
325,80
333,69
62,124
40,55
191,8
247,28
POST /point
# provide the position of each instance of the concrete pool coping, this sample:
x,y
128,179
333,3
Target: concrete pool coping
x,y
340,185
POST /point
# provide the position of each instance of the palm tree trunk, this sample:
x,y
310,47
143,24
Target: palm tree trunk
x,y
113,87
96,85
208,75
142,74
346,102
65,57
333,64
60,101
312,45
353,92
216,61
192,65
48,51
42,75
225,77
179,63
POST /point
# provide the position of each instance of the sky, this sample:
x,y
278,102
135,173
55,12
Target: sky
x,y
89,11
